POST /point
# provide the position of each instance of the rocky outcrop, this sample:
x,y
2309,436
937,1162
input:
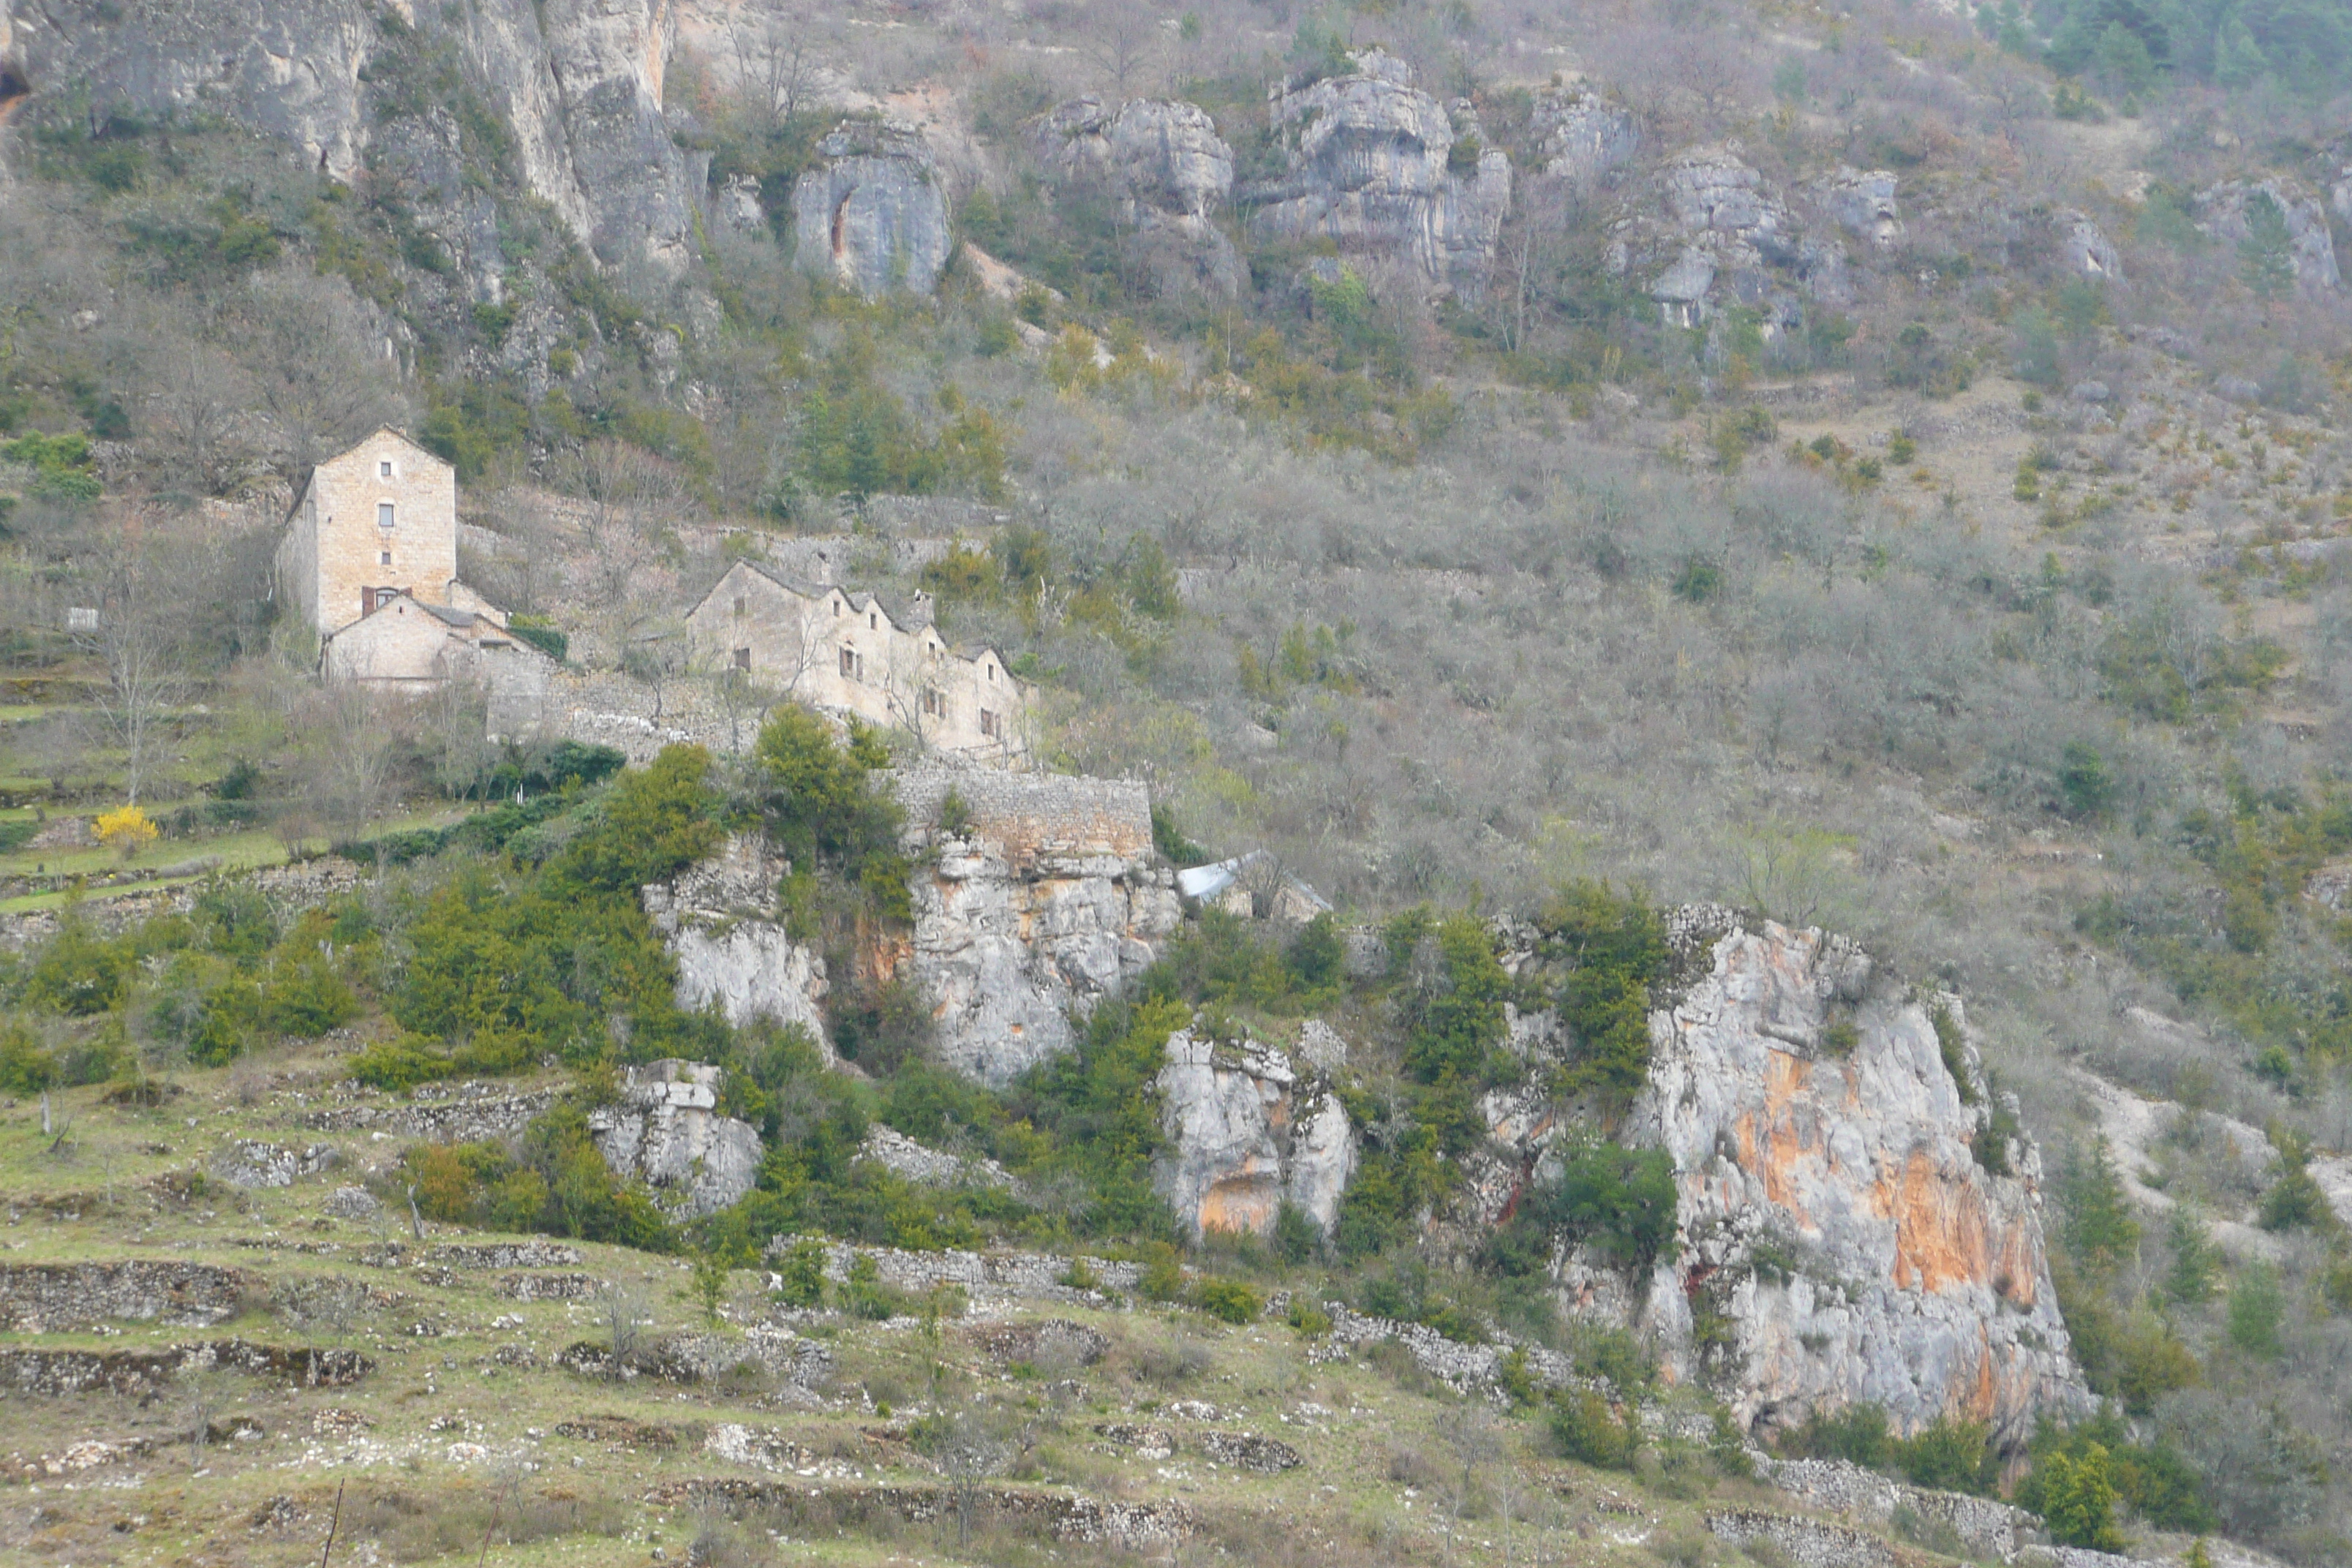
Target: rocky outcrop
x,y
718,918
1044,900
1834,1225
1582,137
2085,250
1728,237
579,82
468,1112
666,1131
1166,167
1382,169
1862,202
2223,212
1245,1134
872,211
51,1298
991,1282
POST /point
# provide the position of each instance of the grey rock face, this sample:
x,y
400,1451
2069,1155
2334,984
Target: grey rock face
x,y
579,81
1732,237
1863,202
1169,171
872,211
2085,250
902,1156
1373,167
1048,903
717,918
668,1131
351,1203
2222,212
1987,1526
1584,138
1245,1135
1833,1209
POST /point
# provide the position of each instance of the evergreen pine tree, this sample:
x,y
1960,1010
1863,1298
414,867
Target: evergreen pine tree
x,y
2266,256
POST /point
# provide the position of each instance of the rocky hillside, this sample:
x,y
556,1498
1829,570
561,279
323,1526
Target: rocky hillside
x,y
1737,615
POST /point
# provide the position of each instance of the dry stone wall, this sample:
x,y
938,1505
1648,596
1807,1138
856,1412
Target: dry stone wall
x,y
50,1298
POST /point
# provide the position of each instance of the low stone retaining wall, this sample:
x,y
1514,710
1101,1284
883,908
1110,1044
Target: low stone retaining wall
x,y
1987,1526
459,1119
1083,1519
987,1278
1809,1542
48,1298
142,1373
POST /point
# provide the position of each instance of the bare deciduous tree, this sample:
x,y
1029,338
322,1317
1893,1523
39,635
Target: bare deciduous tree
x,y
141,642
622,575
772,63
303,334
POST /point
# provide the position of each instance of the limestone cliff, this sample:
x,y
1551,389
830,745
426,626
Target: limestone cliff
x,y
579,83
1040,899
1384,170
871,211
718,918
1838,1238
1166,167
1247,1132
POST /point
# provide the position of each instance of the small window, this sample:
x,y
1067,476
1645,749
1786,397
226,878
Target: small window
x,y
992,673
848,664
934,703
741,604
988,723
383,514
743,658
873,622
838,607
384,469
384,558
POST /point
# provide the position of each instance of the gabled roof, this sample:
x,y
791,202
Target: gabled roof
x,y
304,488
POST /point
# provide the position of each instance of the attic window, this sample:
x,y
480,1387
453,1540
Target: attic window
x,y
384,469
743,658
741,604
992,672
838,607
383,514
873,622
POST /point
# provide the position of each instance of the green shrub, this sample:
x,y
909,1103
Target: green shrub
x,y
25,1066
1311,1321
1163,1274
78,972
2257,1308
1613,948
801,1274
1586,1430
1857,1434
1953,1047
1618,1203
1951,1455
2078,1500
1228,1299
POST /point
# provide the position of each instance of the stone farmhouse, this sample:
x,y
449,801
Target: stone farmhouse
x,y
369,560
848,653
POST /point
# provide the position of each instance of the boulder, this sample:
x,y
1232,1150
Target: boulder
x,y
718,918
1382,169
2090,392
872,210
352,1203
1832,1212
1167,168
1046,901
2222,212
1245,1135
1248,1451
1583,138
902,1156
666,1132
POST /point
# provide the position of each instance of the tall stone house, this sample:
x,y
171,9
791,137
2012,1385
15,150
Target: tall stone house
x,y
370,560
848,653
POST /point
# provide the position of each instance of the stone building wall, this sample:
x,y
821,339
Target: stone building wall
x,y
335,545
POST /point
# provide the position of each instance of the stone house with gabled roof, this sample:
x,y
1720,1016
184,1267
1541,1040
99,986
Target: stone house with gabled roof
x,y
370,562
848,652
